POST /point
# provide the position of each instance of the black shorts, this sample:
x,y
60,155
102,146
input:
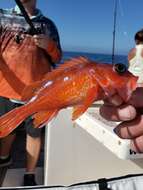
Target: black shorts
x,y
6,105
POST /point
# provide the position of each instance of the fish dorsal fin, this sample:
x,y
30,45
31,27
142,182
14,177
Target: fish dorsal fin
x,y
69,64
73,63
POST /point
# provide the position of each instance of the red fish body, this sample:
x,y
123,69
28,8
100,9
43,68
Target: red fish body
x,y
77,83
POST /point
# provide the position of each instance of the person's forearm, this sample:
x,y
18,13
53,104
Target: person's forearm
x,y
54,51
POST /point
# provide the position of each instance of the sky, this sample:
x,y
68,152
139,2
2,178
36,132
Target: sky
x,y
87,25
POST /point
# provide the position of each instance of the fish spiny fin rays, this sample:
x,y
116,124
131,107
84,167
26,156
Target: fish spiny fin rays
x,y
92,95
74,63
43,117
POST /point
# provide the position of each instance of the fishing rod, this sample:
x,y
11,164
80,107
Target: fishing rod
x,y
118,67
27,18
114,31
32,27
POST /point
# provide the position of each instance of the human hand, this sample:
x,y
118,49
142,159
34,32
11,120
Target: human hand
x,y
41,41
130,116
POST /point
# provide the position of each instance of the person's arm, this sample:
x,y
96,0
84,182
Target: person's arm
x,y
50,42
54,48
54,51
131,54
130,115
49,45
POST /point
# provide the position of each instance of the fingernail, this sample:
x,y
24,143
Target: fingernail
x,y
115,130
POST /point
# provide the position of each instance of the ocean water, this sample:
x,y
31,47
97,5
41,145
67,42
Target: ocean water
x,y
104,58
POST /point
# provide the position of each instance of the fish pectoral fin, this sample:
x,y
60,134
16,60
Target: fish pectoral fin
x,y
30,90
92,95
43,117
78,111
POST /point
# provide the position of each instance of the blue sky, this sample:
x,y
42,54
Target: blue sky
x,y
87,25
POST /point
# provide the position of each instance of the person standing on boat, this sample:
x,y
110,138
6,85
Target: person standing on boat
x,y
29,57
135,57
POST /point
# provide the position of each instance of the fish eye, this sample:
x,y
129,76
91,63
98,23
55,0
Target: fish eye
x,y
120,68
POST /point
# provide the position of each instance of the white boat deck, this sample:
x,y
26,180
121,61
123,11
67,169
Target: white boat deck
x,y
73,155
14,177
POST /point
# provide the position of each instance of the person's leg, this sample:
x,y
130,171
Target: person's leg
x,y
6,142
5,149
33,147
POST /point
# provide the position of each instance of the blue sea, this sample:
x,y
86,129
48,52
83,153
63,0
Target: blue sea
x,y
104,58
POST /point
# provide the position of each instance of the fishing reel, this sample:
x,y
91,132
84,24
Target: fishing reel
x,y
120,68
32,32
18,37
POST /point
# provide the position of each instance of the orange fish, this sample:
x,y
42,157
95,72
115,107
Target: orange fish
x,y
78,83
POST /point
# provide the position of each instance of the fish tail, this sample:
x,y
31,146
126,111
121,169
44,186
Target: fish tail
x,y
12,120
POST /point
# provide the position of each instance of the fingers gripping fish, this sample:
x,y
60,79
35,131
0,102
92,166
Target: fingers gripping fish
x,y
77,83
